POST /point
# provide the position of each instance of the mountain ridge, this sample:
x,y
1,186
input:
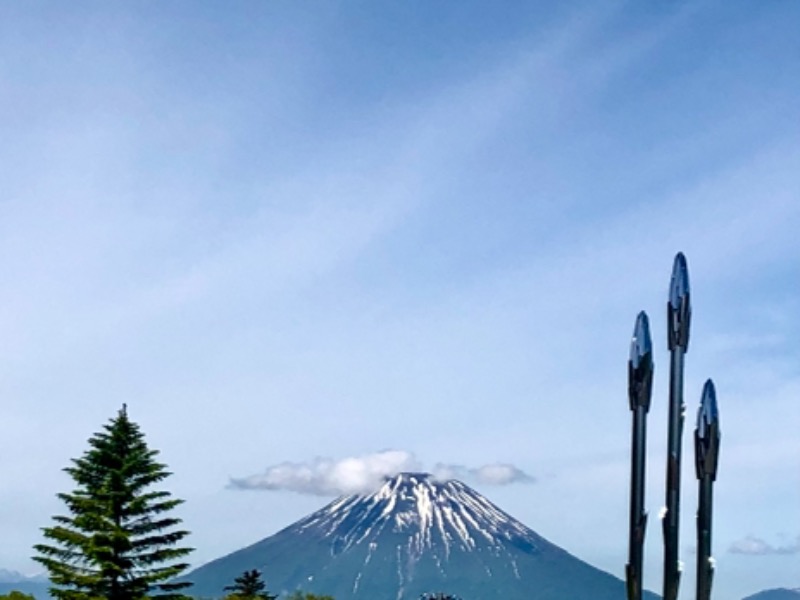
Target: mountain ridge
x,y
776,594
35,585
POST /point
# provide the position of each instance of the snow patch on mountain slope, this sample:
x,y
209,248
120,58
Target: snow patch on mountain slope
x,y
430,516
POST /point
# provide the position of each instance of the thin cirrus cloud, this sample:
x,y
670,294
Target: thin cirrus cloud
x,y
490,474
756,546
363,474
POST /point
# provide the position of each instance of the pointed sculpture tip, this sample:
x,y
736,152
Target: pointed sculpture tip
x,y
640,364
707,433
679,311
679,283
641,344
708,413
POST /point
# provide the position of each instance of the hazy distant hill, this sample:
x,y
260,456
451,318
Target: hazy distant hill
x,y
776,594
414,535
12,580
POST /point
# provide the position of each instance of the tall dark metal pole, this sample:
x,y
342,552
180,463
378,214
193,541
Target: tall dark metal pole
x,y
640,386
706,454
678,319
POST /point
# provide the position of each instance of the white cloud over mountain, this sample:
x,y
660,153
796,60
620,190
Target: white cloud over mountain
x,y
362,474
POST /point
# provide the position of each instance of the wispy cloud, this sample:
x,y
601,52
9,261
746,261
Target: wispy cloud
x,y
756,546
490,474
363,474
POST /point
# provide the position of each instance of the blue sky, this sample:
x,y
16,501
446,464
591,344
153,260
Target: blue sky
x,y
299,232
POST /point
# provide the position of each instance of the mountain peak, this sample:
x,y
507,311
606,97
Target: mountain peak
x,y
408,478
435,515
411,476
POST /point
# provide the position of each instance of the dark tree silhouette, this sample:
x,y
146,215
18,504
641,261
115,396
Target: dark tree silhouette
x,y
249,585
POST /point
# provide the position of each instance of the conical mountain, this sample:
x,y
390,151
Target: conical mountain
x,y
412,536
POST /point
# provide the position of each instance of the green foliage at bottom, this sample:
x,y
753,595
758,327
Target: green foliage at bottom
x,y
15,595
298,595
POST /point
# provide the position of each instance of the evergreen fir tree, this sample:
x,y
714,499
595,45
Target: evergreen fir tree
x,y
118,542
249,585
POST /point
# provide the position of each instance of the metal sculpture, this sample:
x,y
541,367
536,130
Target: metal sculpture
x,y
640,387
679,315
706,452
707,437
